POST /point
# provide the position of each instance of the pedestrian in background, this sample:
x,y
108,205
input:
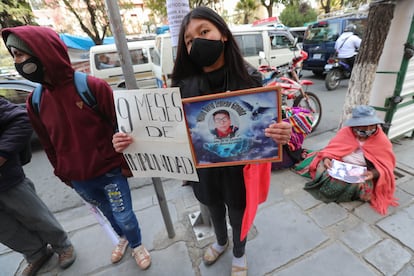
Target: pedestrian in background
x,y
27,225
347,45
77,138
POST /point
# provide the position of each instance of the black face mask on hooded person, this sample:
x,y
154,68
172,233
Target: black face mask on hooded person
x,y
31,69
205,52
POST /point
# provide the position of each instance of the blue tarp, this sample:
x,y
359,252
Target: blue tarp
x,y
82,43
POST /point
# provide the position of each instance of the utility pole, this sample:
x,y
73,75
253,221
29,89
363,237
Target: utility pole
x,y
131,83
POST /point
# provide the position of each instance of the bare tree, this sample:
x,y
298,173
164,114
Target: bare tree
x,y
326,5
91,15
380,15
269,6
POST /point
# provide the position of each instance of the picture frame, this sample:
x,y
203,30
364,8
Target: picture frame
x,y
227,129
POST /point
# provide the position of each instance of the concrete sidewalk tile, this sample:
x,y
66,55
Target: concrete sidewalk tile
x,y
360,237
408,187
366,213
9,263
388,257
222,267
284,234
93,250
151,223
328,214
305,200
4,249
400,226
408,270
335,260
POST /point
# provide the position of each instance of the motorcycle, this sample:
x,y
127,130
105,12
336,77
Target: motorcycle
x,y
294,91
336,70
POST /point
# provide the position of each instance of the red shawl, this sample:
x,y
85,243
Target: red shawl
x,y
377,149
257,182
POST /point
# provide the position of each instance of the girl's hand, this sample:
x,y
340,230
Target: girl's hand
x,y
121,141
279,132
369,175
327,163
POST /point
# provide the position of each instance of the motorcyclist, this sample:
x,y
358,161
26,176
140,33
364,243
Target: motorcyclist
x,y
347,45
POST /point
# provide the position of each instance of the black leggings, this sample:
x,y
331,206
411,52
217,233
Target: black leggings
x,y
218,216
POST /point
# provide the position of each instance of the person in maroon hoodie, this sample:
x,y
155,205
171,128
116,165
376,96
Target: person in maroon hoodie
x,y
76,138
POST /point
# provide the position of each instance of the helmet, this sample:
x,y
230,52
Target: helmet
x,y
350,28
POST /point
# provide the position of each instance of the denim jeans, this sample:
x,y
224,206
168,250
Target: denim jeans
x,y
111,194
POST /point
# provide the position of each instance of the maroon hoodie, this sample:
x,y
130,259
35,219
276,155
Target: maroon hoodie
x,y
77,141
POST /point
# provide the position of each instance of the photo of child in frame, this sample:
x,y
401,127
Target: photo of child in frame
x,y
223,125
228,128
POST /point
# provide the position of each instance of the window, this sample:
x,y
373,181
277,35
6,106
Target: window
x,y
111,59
323,31
139,56
250,44
155,57
14,95
280,41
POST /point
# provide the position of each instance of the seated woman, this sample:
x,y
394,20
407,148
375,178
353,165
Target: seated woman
x,y
361,142
301,121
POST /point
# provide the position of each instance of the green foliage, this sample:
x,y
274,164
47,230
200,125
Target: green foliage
x,y
245,10
6,60
296,16
158,7
15,13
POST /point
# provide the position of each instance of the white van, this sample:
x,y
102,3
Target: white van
x,y
275,43
105,64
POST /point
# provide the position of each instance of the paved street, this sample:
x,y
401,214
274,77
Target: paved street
x,y
293,233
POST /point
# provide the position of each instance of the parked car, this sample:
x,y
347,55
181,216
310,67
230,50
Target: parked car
x,y
276,43
105,63
298,32
319,40
17,92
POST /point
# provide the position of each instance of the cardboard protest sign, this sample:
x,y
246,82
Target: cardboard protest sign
x,y
155,119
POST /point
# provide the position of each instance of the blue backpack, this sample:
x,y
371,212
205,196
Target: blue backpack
x,y
82,88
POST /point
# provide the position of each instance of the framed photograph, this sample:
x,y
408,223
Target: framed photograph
x,y
227,128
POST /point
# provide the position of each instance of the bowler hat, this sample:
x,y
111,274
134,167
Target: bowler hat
x,y
363,115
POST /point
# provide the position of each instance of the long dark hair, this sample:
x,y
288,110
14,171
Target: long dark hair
x,y
184,67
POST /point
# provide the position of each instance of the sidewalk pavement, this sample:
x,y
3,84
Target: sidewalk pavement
x,y
293,233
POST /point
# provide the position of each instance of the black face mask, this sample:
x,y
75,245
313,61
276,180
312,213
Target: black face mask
x,y
31,69
365,133
205,52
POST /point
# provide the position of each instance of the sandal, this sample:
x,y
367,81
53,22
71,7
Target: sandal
x,y
119,250
211,255
239,270
142,257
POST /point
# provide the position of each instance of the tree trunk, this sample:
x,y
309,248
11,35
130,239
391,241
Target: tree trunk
x,y
269,11
269,7
380,15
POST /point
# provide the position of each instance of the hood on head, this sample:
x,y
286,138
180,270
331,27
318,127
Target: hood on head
x,y
46,45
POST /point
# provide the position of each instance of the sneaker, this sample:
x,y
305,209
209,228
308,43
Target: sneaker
x,y
119,250
67,257
142,257
32,268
